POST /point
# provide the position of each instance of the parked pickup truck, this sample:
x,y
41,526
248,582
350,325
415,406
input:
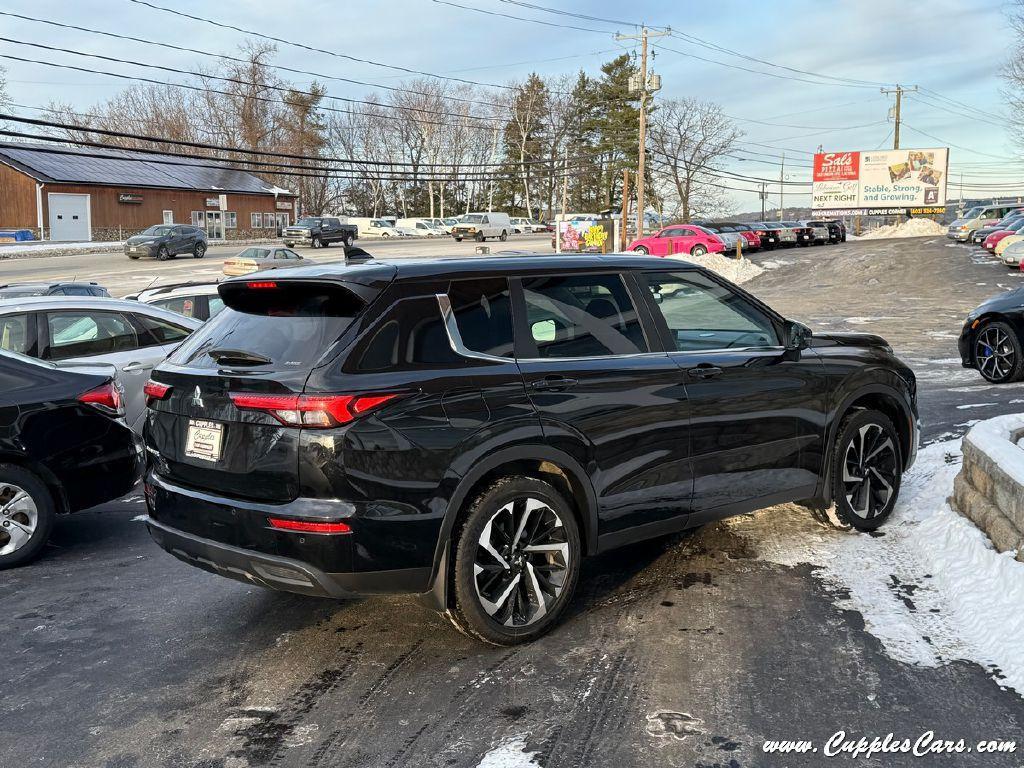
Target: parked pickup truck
x,y
320,232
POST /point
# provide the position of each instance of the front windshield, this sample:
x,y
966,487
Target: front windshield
x,y
157,231
307,222
974,213
451,222
473,218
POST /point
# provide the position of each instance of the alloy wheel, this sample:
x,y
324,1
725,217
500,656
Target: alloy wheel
x,y
994,353
522,562
19,517
870,469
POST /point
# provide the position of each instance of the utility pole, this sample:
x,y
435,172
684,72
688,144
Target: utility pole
x,y
625,209
644,83
565,196
782,186
764,194
899,90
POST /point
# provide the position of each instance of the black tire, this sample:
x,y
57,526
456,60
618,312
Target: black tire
x,y
458,239
13,475
199,251
997,353
317,242
134,258
867,458
163,254
479,237
467,611
641,249
384,236
698,250
504,235
349,241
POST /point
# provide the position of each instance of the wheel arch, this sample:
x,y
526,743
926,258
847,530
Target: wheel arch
x,y
40,470
880,397
531,460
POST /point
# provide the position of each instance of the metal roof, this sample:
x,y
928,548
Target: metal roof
x,y
125,168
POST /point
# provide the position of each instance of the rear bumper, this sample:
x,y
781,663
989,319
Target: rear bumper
x,y
281,573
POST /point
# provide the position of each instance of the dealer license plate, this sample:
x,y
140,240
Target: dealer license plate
x,y
204,439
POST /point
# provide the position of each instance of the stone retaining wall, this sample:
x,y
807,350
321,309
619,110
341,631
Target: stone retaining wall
x,y
990,487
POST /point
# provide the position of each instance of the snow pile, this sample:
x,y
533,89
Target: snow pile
x,y
36,246
509,754
909,228
733,270
932,589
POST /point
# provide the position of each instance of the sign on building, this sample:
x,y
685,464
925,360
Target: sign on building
x,y
880,180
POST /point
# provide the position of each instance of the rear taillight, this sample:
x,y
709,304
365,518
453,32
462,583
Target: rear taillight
x,y
304,526
310,410
261,285
105,397
154,390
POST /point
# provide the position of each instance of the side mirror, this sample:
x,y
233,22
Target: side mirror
x,y
798,335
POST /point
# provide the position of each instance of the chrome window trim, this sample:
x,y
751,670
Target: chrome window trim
x,y
451,328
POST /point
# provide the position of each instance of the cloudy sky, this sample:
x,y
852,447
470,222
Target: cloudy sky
x,y
822,63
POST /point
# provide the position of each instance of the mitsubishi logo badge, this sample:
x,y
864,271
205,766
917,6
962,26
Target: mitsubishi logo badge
x,y
197,398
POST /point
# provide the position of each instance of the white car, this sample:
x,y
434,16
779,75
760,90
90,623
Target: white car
x,y
131,336
482,225
197,300
528,225
1013,254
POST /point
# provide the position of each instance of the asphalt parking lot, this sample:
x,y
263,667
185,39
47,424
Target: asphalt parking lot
x,y
687,651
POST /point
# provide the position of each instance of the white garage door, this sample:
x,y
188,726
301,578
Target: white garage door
x,y
69,217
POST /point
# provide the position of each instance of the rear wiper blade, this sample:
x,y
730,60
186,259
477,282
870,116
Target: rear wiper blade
x,y
238,357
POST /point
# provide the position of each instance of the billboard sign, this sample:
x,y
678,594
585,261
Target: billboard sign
x,y
891,179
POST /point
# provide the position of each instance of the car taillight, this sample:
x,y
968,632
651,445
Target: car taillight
x,y
105,397
304,526
310,410
154,390
261,284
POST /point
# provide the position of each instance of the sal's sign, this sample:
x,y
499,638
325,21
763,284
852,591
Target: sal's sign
x,y
837,166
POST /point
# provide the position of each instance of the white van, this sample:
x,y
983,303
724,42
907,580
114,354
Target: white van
x,y
422,227
373,227
481,226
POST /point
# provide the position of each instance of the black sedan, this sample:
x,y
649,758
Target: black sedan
x,y
64,446
164,241
991,338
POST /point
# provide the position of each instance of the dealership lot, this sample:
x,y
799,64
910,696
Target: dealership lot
x,y
685,651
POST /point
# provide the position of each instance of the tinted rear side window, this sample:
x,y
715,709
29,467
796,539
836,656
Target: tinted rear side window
x,y
292,326
483,314
411,334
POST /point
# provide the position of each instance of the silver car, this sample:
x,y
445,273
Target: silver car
x,y
1013,254
132,337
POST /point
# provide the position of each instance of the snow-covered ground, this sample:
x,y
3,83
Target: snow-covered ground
x,y
45,247
931,588
908,228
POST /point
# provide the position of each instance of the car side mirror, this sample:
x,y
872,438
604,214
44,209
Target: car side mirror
x,y
798,335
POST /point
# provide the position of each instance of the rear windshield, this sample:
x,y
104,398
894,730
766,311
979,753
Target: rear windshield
x,y
289,326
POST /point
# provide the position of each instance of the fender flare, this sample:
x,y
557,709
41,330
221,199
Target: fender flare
x,y
876,388
437,595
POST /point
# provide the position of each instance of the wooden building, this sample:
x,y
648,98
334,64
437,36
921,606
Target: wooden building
x,y
79,195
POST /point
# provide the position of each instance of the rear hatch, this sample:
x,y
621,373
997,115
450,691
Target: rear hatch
x,y
264,344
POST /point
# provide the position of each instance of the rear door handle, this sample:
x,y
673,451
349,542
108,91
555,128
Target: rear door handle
x,y
553,383
132,367
705,372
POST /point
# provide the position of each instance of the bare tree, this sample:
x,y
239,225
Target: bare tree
x,y
1013,74
688,138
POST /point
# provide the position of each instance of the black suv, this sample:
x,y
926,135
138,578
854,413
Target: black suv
x,y
64,288
468,429
165,241
320,232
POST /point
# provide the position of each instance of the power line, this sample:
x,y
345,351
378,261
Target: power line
x,y
303,46
238,81
950,143
156,157
250,152
519,18
200,89
183,49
